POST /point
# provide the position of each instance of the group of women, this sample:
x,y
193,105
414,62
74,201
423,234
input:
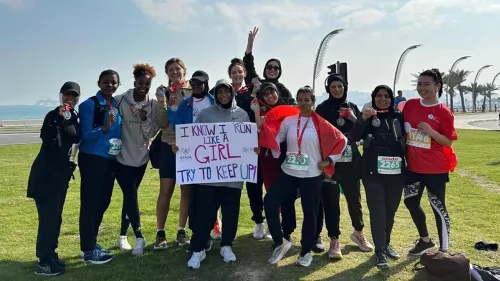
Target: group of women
x,y
303,153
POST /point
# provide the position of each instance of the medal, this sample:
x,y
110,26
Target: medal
x,y
300,158
174,107
254,106
340,121
161,92
376,122
138,106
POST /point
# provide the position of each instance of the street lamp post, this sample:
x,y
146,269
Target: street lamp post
x,y
474,86
451,70
323,46
400,64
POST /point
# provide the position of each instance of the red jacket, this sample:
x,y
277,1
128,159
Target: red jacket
x,y
331,140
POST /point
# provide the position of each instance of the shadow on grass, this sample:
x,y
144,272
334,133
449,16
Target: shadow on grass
x,y
496,163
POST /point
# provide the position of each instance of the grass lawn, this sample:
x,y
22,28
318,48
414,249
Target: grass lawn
x,y
473,204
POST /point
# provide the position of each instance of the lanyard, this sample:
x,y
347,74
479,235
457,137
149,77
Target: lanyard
x,y
299,136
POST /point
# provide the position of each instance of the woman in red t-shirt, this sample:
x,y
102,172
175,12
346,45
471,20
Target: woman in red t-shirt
x,y
429,131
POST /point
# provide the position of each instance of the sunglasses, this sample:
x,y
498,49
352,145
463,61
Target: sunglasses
x,y
195,83
275,68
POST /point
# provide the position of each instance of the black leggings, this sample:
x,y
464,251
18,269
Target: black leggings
x,y
129,178
206,200
383,196
96,188
255,198
284,188
330,206
436,191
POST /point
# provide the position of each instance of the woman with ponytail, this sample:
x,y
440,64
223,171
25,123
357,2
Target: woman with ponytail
x,y
430,132
169,98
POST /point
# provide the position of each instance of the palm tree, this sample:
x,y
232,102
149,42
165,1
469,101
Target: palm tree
x,y
453,81
463,90
489,88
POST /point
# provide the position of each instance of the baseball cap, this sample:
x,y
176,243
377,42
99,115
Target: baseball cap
x,y
200,75
70,87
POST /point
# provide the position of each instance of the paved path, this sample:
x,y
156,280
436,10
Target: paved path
x,y
21,138
478,121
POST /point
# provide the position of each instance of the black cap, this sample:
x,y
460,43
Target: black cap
x,y
200,75
70,87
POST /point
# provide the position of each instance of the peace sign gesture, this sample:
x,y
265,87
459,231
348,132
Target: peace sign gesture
x,y
251,37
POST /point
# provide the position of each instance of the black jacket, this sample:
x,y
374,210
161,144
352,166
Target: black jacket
x,y
248,61
385,140
52,170
329,110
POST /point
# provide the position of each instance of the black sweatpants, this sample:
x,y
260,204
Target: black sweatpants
x,y
50,210
129,178
383,196
436,192
330,206
255,198
310,195
206,200
96,187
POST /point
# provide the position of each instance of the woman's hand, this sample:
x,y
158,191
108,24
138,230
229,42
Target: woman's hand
x,y
426,128
110,122
143,114
175,148
367,113
347,113
257,150
323,164
251,37
160,92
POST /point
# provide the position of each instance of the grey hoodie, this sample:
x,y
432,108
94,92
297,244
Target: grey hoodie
x,y
136,133
216,114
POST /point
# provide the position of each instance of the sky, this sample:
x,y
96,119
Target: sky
x,y
47,42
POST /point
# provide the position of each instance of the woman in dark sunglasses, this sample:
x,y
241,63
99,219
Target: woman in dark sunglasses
x,y
272,70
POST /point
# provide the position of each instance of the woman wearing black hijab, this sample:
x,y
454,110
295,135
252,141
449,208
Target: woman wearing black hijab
x,y
383,164
342,114
272,71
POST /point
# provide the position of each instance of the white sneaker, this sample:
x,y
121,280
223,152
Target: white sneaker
x,y
196,259
268,234
227,254
280,251
305,261
140,244
123,244
259,231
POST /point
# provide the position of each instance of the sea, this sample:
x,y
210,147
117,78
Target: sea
x,y
24,112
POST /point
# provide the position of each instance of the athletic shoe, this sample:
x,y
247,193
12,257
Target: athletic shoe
x,y
305,260
360,239
196,259
421,247
48,269
382,260
319,246
122,243
227,254
259,231
97,257
140,244
182,237
391,253
161,241
280,251
334,252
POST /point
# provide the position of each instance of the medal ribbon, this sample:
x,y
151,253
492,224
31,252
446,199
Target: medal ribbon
x,y
379,111
299,136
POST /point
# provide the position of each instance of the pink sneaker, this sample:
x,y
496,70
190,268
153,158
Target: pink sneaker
x,y
360,239
334,251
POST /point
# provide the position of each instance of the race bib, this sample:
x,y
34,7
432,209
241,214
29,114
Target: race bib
x,y
418,138
115,146
298,162
347,155
389,165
